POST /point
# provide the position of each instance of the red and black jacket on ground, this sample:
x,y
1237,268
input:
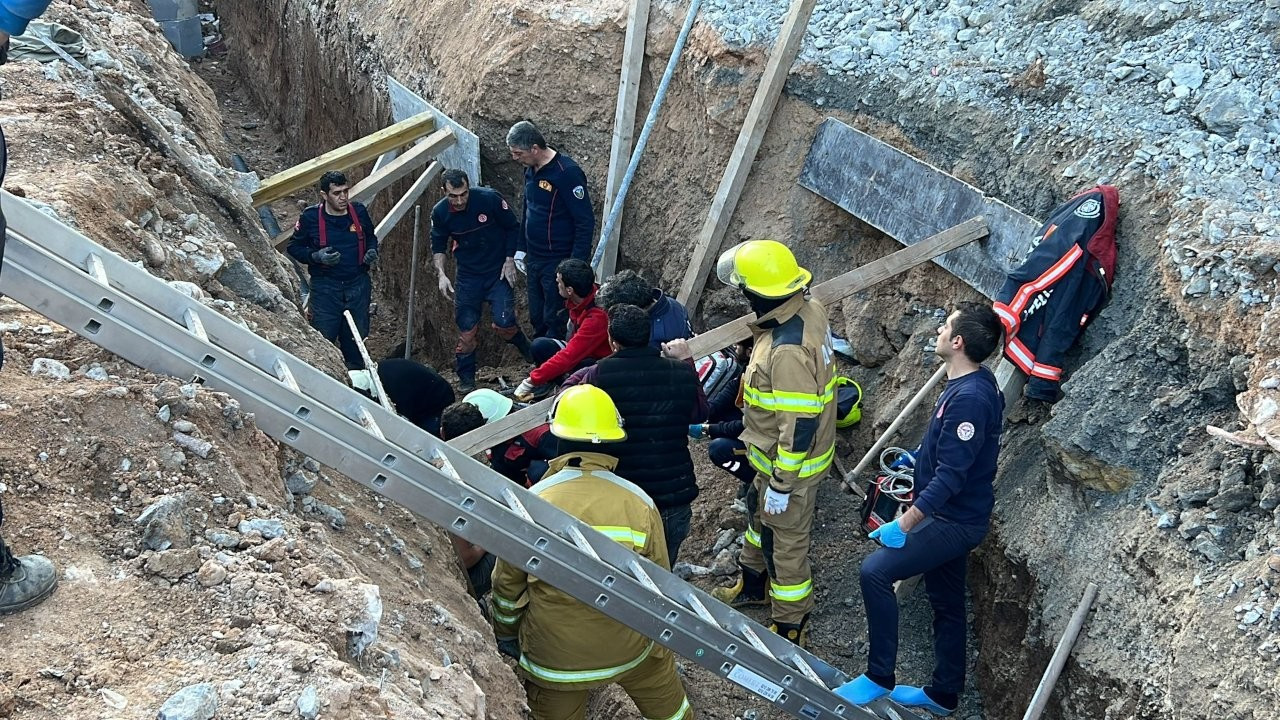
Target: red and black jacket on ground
x,y
1046,303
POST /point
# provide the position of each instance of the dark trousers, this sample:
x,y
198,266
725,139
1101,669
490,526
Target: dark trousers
x,y
731,455
543,349
939,550
7,561
547,313
472,292
675,528
329,297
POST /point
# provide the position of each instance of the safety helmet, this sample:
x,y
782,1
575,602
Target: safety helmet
x,y
493,405
363,380
585,412
848,402
765,267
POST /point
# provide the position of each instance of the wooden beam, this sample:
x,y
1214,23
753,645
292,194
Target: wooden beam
x,y
344,158
624,122
744,151
829,292
1059,660
408,199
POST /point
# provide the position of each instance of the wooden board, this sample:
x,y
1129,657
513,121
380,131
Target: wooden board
x,y
406,201
731,332
906,198
744,152
344,158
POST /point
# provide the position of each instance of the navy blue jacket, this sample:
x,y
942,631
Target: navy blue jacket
x,y
558,219
668,320
481,236
340,234
956,462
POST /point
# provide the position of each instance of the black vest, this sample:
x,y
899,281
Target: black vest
x,y
656,397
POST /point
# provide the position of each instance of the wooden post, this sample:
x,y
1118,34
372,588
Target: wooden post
x,y
624,121
1059,660
851,479
731,332
744,151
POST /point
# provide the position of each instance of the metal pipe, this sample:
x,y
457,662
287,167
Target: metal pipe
x,y
413,278
616,211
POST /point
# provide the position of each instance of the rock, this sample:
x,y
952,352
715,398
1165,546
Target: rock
x,y
685,570
222,539
153,252
113,699
194,702
724,540
308,703
97,372
1167,521
1273,562
1233,500
239,277
1210,550
300,483
883,43
1226,109
1270,497
166,522
364,616
164,414
269,529
273,550
211,573
1251,617
1195,489
198,447
185,426
1188,75
189,289
337,520
174,564
50,368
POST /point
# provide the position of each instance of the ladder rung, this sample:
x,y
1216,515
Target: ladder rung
x,y
638,572
368,423
754,638
581,541
804,667
692,601
285,375
194,325
513,501
95,268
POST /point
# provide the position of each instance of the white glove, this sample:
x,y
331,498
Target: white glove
x,y
519,258
524,392
775,503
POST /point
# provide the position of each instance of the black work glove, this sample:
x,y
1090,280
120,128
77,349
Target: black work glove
x,y
327,256
370,256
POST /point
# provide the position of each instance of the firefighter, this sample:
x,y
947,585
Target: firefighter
x,y
479,228
789,430
566,648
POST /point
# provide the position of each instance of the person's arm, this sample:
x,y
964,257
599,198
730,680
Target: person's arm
x,y
593,332
797,401
726,429
439,244
522,239
701,408
370,234
16,14
510,225
300,244
578,200
585,376
959,442
655,546
509,599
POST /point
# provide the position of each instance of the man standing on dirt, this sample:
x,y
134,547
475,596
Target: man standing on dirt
x,y
335,239
477,225
789,429
558,222
955,466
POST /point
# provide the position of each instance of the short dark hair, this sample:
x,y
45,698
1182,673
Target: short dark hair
x,y
625,288
459,419
629,326
455,178
331,178
524,135
578,275
980,327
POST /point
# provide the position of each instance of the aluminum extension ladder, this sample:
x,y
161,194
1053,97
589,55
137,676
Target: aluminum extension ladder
x,y
65,276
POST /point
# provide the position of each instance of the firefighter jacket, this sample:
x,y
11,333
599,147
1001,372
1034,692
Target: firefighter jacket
x,y
789,395
564,644
1047,302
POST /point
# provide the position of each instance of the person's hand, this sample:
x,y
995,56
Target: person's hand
x,y
446,287
524,391
508,271
775,502
327,256
677,349
370,256
697,432
509,647
906,460
519,262
890,535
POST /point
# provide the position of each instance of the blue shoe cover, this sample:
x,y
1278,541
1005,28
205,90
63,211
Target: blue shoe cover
x,y
912,696
861,690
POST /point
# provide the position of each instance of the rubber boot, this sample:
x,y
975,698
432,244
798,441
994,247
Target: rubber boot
x,y
796,633
521,344
24,581
466,366
750,590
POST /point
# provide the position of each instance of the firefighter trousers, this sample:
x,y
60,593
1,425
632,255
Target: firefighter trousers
x,y
779,546
653,685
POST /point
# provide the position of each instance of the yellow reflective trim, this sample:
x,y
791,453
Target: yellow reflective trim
x,y
752,537
622,534
791,593
684,708
759,460
790,461
580,676
808,467
505,619
813,466
504,603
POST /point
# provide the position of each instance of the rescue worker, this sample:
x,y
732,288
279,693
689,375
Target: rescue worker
x,y
589,341
566,648
558,222
479,228
523,458
668,319
789,430
417,392
335,239
28,579
657,397
955,466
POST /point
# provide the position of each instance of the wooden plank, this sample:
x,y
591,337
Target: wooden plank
x,y
624,123
1040,699
831,291
906,198
744,152
343,158
407,201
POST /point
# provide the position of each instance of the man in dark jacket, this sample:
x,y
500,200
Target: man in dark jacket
x,y
417,392
558,222
668,319
657,397
335,239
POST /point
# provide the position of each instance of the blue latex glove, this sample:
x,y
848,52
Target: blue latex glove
x,y
906,460
775,503
890,535
697,432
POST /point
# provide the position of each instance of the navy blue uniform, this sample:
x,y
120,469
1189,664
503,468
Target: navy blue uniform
x,y
955,468
668,320
558,224
344,286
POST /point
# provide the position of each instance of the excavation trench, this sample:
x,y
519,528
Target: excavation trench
x,y
318,71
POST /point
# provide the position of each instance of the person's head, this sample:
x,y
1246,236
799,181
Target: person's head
x,y
628,327
333,191
625,288
583,416
362,382
971,332
574,279
526,143
459,419
457,188
493,405
765,271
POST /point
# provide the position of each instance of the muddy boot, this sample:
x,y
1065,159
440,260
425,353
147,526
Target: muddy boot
x,y
466,366
796,633
521,344
24,581
750,590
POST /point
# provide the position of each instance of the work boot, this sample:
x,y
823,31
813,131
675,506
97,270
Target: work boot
x,y
749,591
521,344
29,580
465,364
466,383
796,633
